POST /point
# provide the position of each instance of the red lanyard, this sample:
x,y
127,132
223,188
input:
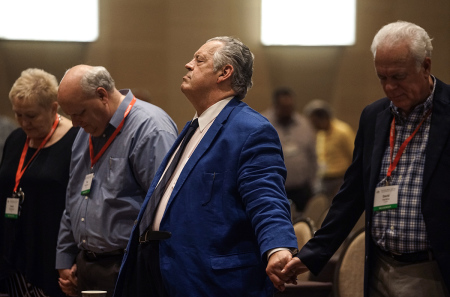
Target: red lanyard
x,y
393,165
21,171
95,158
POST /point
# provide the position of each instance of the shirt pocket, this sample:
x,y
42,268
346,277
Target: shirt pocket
x,y
116,173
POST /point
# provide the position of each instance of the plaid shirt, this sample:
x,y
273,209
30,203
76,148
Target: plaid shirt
x,y
402,229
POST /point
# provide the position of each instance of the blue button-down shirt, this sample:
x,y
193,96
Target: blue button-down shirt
x,y
102,220
402,229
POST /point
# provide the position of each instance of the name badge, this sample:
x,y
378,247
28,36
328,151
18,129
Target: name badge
x,y
86,188
385,198
12,208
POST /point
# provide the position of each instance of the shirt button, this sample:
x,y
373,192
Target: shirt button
x,y
392,227
84,240
86,198
82,219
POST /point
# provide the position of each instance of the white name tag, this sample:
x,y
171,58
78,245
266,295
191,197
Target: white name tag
x,y
86,188
12,208
385,198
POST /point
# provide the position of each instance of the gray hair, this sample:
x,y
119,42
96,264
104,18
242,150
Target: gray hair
x,y
417,38
238,55
94,78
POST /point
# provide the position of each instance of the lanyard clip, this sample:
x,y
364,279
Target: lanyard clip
x,y
387,181
19,194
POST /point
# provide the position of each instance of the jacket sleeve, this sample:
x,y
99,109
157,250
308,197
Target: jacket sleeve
x,y
261,177
347,207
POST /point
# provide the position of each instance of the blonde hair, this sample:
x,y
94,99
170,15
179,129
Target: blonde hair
x,y
35,85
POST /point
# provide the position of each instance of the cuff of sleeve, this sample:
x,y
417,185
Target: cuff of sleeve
x,y
64,261
272,251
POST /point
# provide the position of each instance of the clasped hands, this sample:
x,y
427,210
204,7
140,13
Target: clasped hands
x,y
283,269
68,280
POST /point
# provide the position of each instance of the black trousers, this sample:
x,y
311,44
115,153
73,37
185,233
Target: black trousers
x,y
98,271
149,277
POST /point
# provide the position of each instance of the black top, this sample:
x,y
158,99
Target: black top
x,y
28,244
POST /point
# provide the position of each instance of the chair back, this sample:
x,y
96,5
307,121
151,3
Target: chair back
x,y
303,231
315,207
322,217
349,273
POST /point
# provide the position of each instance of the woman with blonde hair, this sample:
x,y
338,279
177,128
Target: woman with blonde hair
x,y
34,173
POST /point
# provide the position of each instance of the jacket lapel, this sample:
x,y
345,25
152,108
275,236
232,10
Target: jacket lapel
x,y
204,144
382,126
439,131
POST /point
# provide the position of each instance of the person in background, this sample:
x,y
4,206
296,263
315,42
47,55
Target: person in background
x,y
33,178
298,140
218,219
399,175
334,146
114,159
7,125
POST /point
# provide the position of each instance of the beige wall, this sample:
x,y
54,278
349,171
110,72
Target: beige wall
x,y
146,43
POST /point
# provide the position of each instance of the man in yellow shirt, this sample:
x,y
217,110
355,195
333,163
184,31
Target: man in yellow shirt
x,y
334,146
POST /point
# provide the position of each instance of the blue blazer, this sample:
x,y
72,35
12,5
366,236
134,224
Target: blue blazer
x,y
357,192
227,210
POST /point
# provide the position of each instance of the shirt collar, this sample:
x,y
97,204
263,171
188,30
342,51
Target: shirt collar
x,y
118,115
422,108
211,113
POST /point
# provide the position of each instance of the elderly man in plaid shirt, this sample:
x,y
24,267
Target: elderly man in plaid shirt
x,y
400,175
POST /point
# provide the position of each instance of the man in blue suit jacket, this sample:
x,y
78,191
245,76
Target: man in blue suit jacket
x,y
225,205
407,242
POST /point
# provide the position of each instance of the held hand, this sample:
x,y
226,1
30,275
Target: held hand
x,y
277,262
68,280
294,268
